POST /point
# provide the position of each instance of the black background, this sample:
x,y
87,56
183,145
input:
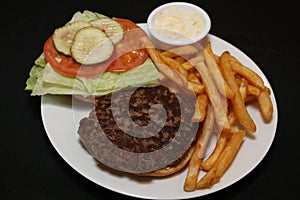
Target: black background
x,y
267,31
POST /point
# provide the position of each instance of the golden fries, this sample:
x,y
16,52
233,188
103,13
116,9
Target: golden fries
x,y
224,87
198,88
180,59
170,62
153,53
211,160
265,104
199,151
174,64
200,108
243,89
232,118
237,102
244,71
223,162
251,90
187,66
180,51
217,58
191,63
218,101
193,78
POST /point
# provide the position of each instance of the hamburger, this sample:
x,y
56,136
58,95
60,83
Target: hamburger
x,y
146,131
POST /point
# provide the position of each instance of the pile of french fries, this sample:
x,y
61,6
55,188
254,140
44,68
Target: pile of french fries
x,y
224,87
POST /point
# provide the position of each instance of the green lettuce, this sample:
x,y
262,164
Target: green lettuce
x,y
87,16
43,79
36,72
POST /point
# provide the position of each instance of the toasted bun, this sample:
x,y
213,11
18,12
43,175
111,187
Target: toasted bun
x,y
167,171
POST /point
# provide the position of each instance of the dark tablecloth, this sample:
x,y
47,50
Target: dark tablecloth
x,y
267,31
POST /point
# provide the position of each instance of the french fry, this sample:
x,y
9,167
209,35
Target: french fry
x,y
196,73
265,104
246,72
243,89
187,65
223,162
174,76
237,102
200,108
170,62
251,89
182,71
212,65
219,103
168,72
198,88
180,59
231,118
180,51
195,83
174,64
208,163
217,58
199,151
153,53
199,58
193,78
190,64
195,86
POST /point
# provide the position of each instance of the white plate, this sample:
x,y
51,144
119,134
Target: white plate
x,y
61,117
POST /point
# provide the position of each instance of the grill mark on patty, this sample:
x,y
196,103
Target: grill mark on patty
x,y
140,102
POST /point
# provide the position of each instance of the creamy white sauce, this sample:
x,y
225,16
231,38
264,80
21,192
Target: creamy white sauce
x,y
177,24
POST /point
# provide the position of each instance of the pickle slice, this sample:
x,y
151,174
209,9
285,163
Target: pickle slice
x,y
91,46
111,27
63,37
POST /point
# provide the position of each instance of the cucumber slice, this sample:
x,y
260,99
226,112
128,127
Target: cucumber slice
x,y
112,28
63,37
91,46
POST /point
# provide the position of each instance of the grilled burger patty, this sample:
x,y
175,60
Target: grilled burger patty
x,y
139,130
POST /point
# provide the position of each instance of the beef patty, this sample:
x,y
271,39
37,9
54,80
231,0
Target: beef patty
x,y
139,130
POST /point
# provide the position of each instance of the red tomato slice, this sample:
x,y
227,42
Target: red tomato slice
x,y
130,50
129,53
66,65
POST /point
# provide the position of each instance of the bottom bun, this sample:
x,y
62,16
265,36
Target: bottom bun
x,y
169,170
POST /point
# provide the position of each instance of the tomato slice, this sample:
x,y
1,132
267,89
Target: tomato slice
x,y
129,53
66,65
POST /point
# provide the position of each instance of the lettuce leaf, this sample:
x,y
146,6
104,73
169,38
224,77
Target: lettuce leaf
x,y
52,82
87,16
36,72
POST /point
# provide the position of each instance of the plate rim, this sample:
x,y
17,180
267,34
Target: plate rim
x,y
188,194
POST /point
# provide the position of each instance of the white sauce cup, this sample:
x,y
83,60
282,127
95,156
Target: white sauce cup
x,y
166,42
